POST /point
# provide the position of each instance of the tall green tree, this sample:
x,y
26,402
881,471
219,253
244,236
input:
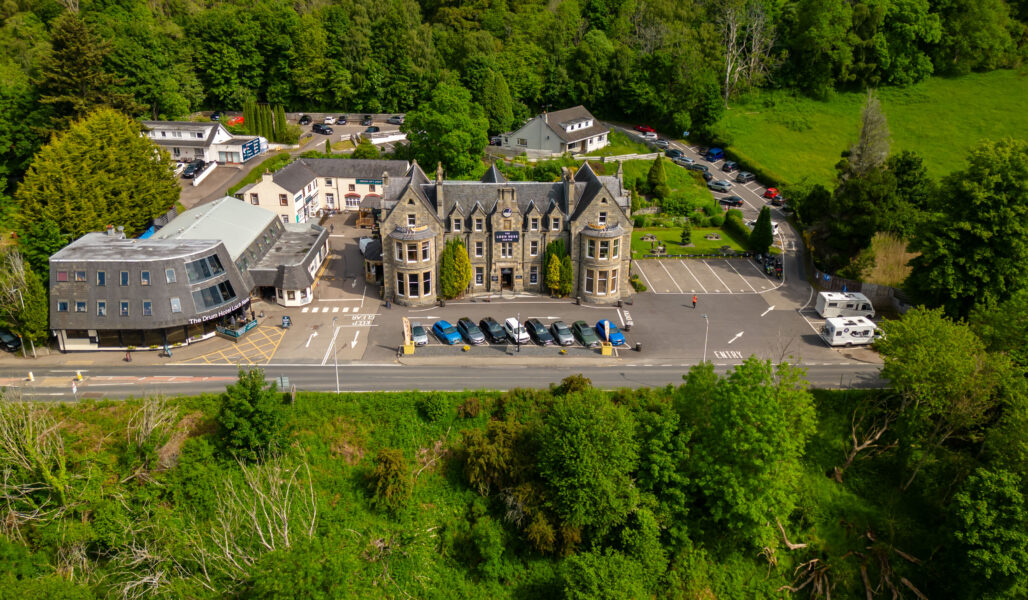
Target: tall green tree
x,y
762,235
656,179
23,299
497,103
449,129
567,276
101,171
454,269
250,416
974,247
73,79
39,242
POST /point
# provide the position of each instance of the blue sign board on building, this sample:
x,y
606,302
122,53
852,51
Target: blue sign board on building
x,y
507,236
369,181
251,149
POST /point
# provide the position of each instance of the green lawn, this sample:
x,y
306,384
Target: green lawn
x,y
671,236
272,164
795,138
683,182
622,143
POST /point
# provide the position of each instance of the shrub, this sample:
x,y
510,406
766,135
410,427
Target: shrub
x,y
675,205
735,227
433,407
716,221
250,416
572,384
470,408
390,482
637,284
454,269
640,221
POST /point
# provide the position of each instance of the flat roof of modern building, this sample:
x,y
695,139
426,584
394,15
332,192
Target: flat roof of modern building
x,y
237,224
99,246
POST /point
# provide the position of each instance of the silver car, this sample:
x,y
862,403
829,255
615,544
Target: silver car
x,y
683,161
562,333
418,335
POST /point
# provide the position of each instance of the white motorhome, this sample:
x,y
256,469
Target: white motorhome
x,y
844,304
849,331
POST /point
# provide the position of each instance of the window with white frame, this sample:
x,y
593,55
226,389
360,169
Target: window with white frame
x,y
425,250
412,285
590,248
412,220
328,181
399,251
400,284
533,248
615,248
554,224
601,219
330,199
456,224
412,252
506,249
588,281
254,199
604,249
479,249
479,275
533,224
479,223
426,283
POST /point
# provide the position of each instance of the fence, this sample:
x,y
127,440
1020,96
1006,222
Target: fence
x,y
621,157
879,295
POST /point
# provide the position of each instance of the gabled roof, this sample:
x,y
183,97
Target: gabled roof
x,y
294,176
493,175
356,168
237,224
184,126
558,119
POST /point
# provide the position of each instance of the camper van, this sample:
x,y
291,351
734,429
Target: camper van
x,y
844,304
849,331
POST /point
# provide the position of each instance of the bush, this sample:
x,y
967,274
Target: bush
x,y
572,384
470,408
637,284
735,227
390,482
250,416
675,205
716,221
433,407
640,221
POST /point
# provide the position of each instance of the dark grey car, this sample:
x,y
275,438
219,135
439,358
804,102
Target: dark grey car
x,y
538,332
745,177
471,332
562,333
493,330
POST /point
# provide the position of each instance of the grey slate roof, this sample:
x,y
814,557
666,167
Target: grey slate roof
x,y
355,168
373,251
294,176
466,194
232,221
185,126
555,120
493,175
102,247
286,264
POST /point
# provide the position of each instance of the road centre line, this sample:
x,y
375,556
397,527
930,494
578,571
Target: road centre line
x,y
698,282
670,276
718,278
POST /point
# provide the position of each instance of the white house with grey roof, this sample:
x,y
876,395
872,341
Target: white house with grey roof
x,y
573,130
308,187
209,141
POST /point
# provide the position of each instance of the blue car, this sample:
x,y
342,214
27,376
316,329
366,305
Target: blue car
x,y
446,333
616,337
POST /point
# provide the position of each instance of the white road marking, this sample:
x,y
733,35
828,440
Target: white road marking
x,y
314,309
737,336
355,335
731,266
727,287
312,336
643,273
331,346
335,309
305,309
670,277
354,282
694,276
769,309
621,318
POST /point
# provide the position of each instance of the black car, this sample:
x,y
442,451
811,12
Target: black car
x,y
493,330
699,167
341,120
323,129
8,341
707,176
193,169
729,166
470,331
366,120
731,201
496,141
216,115
539,333
305,120
745,177
373,129
673,153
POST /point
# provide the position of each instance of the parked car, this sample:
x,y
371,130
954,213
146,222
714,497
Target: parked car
x,y
496,141
729,166
304,120
493,330
771,193
673,153
373,129
538,332
470,331
330,120
774,226
446,333
516,331
720,185
322,129
683,161
695,166
645,129
9,341
562,334
731,201
707,176
395,120
585,335
714,154
193,169
216,115
616,337
778,201
745,177
661,143
341,120
366,120
418,335
650,137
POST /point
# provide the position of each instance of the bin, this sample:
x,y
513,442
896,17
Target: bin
x,y
638,347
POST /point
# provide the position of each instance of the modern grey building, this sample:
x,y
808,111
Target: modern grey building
x,y
573,130
196,274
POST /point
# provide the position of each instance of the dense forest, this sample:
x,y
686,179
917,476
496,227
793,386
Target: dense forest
x,y
743,485
669,62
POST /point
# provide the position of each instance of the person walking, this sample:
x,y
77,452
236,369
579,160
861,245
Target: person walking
x,y
694,301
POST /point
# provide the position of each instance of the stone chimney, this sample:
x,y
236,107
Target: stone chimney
x,y
569,190
385,182
440,204
266,176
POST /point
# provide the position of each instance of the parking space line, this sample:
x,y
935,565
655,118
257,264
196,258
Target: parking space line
x,y
698,282
762,274
335,309
642,272
740,276
670,277
727,287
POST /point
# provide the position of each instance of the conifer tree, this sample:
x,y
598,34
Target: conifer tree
x,y
656,179
454,269
762,236
567,276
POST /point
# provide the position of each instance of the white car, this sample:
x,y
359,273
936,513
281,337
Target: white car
x,y
649,136
683,161
516,331
661,144
774,226
330,120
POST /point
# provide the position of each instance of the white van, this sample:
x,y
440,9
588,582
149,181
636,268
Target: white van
x,y
844,304
849,331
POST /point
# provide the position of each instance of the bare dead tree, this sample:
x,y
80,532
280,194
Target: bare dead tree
x,y
872,148
146,428
866,432
814,573
732,17
761,34
747,39
785,538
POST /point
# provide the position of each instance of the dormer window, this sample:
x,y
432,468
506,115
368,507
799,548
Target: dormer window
x,y
555,224
479,222
456,224
534,224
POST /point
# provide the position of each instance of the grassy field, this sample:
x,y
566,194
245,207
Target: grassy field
x,y
622,143
683,182
891,258
795,138
272,163
671,237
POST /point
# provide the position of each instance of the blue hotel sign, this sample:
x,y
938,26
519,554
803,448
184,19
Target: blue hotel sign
x,y
369,181
507,236
251,149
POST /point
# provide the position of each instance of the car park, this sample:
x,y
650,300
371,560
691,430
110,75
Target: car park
x,y
745,177
446,333
304,120
562,334
661,143
193,169
729,166
771,193
366,120
493,330
707,176
373,129
778,201
645,129
418,335
538,332
330,120
395,120
616,337
714,154
730,201
8,341
720,185
585,334
470,331
673,153
683,161
322,129
516,331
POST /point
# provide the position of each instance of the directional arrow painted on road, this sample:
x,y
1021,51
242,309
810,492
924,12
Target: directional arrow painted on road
x,y
313,335
737,336
354,282
354,342
770,308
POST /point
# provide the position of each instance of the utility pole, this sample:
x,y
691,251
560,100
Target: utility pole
x,y
335,354
705,333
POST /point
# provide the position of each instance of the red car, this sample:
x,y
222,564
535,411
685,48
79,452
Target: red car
x,y
645,129
771,193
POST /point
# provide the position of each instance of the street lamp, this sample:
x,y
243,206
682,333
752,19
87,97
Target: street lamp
x,y
705,333
517,332
335,354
